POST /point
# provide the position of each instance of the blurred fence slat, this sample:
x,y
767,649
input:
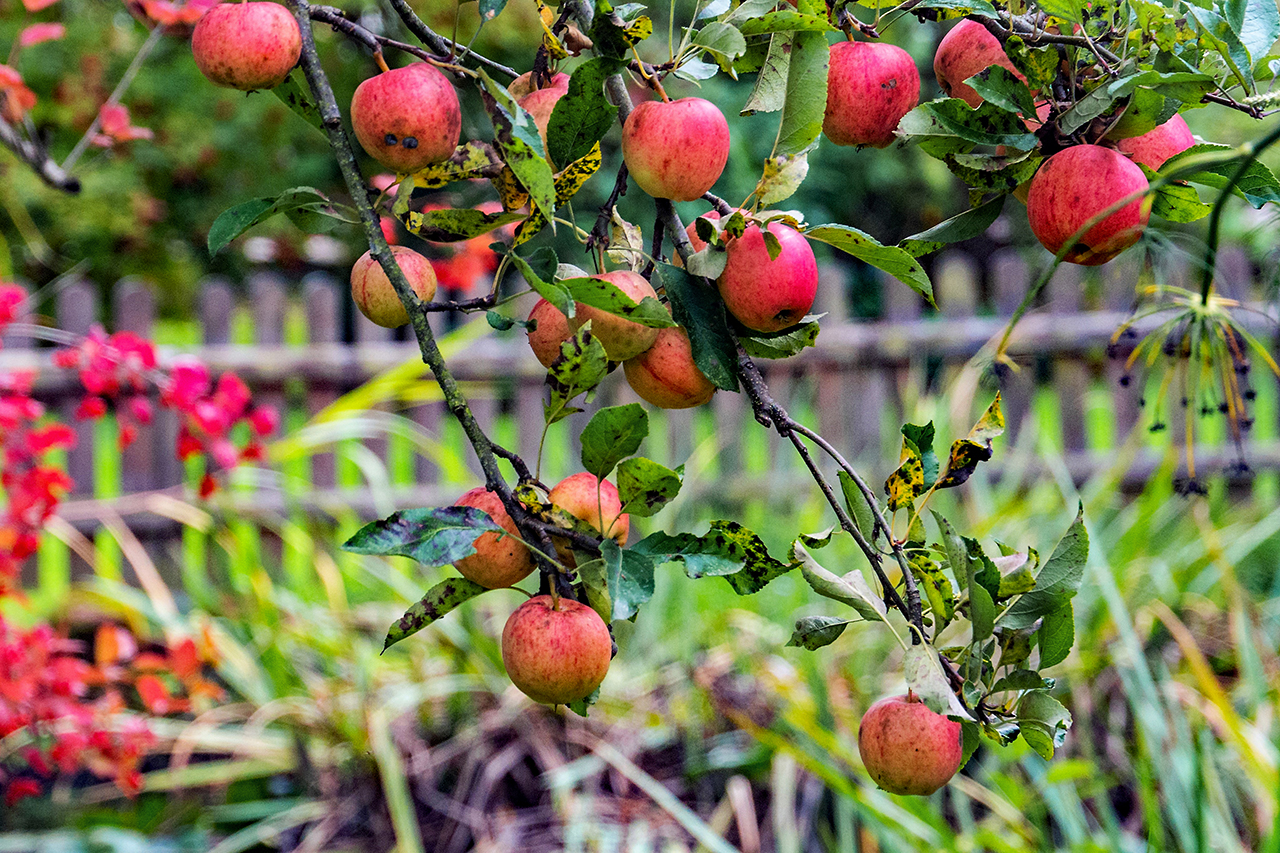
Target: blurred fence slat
x,y
77,312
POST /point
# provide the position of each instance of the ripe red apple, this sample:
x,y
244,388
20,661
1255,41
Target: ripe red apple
x,y
524,84
556,655
1075,185
676,149
1154,147
499,561
593,501
374,295
964,51
407,118
907,748
665,374
769,295
621,338
553,330
870,87
247,46
538,104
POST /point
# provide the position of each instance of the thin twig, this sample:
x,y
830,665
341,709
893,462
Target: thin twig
x,y
441,45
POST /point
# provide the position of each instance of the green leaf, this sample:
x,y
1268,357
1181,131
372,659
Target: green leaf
x,y
582,705
770,91
630,576
852,589
926,679
972,223
856,501
644,486
538,271
1001,87
489,9
782,344
595,582
896,262
787,21
1057,582
584,114
1257,185
1043,721
432,536
728,550
954,8
451,226
612,434
993,173
781,178
1178,202
1097,102
234,221
922,438
967,452
612,36
937,589
297,97
1016,575
814,632
970,740
1147,109
581,366
1067,10
951,123
1056,635
700,311
439,600
724,40
806,102
1256,24
1216,32
1019,679
606,296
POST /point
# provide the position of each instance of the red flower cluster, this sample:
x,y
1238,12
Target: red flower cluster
x,y
69,708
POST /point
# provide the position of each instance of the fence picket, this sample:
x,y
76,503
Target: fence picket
x,y
1070,376
134,311
320,295
77,312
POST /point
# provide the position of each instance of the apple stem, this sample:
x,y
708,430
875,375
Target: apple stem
x,y
657,87
382,62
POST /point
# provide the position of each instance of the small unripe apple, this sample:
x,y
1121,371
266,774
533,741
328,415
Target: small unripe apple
x,y
665,374
524,84
964,51
907,748
553,330
621,338
870,87
407,118
1154,147
247,46
676,149
374,295
593,501
556,655
499,561
1077,184
769,295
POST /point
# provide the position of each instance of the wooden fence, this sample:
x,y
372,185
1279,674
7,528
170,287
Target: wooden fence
x,y
299,347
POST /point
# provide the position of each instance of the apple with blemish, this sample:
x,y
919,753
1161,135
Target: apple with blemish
x,y
556,651
376,297
1078,183
870,87
499,561
1154,147
676,149
665,374
246,46
407,118
551,330
907,748
964,51
769,294
621,338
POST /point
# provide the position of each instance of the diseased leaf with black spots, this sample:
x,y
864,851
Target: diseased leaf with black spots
x,y
469,161
967,452
814,632
922,437
450,226
567,184
432,536
644,486
583,115
937,589
905,483
581,366
439,600
727,550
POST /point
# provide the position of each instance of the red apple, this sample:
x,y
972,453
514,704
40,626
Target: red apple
x,y
553,330
676,149
769,295
1075,185
621,338
499,561
524,84
907,748
247,46
964,51
870,87
407,118
556,654
593,501
374,295
538,104
665,374
1154,147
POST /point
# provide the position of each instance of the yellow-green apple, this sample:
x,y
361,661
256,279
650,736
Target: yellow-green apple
x,y
964,51
1078,183
665,374
552,330
499,561
246,46
407,118
524,84
594,502
676,149
870,87
374,295
620,337
1154,147
556,652
907,748
769,295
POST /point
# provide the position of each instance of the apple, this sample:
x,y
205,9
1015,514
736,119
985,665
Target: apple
x,y
907,748
676,149
870,87
499,561
769,295
1075,185
621,338
374,295
556,652
1154,147
407,118
665,374
246,46
538,104
593,501
552,330
964,51
524,84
